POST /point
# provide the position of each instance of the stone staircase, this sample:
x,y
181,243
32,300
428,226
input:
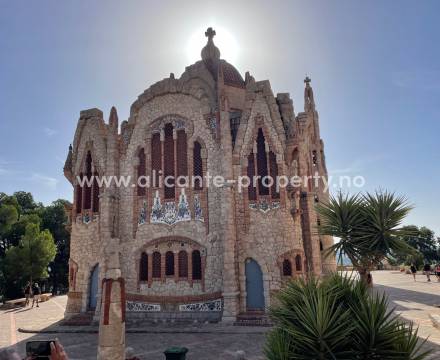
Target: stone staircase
x,y
253,318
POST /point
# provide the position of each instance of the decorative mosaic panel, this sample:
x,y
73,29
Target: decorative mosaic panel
x,y
143,214
198,213
168,213
265,206
141,307
214,305
87,217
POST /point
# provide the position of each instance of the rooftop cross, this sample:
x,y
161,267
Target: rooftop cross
x,y
307,80
210,33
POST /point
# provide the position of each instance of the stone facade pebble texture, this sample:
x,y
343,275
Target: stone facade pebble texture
x,y
233,229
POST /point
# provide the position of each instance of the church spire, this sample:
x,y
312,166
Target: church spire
x,y
113,119
210,51
309,102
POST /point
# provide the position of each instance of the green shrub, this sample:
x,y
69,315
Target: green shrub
x,y
338,318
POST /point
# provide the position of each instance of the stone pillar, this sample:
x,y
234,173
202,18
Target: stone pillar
x,y
176,266
190,270
111,342
230,278
150,269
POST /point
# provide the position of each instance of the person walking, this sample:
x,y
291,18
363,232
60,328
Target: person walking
x,y
413,271
427,271
27,293
37,292
437,271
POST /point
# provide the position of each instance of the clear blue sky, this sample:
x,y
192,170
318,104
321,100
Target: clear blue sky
x,y
375,68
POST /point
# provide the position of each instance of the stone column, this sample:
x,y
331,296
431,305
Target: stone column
x,y
230,278
150,269
111,342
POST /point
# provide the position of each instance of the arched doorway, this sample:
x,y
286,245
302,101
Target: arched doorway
x,y
93,289
254,286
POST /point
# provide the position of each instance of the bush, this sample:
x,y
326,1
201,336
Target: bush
x,y
338,318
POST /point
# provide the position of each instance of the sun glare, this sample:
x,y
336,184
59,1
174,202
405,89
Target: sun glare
x,y
224,40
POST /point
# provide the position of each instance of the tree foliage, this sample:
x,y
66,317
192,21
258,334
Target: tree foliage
x,y
54,219
17,212
30,259
424,243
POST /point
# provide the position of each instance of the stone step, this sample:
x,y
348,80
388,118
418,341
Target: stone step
x,y
253,318
82,319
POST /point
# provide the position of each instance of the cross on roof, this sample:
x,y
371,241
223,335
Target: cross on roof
x,y
307,80
210,33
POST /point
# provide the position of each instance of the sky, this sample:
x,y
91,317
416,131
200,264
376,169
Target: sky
x,y
375,69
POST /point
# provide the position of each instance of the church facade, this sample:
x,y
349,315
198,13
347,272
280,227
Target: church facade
x,y
201,252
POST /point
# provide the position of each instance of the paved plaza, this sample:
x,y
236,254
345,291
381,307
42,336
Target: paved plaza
x,y
414,301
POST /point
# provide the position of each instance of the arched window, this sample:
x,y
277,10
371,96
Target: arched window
x,y
274,174
182,159
88,190
141,172
79,195
157,265
183,264
261,162
287,268
95,193
298,263
169,162
143,267
252,191
196,265
156,159
169,263
197,166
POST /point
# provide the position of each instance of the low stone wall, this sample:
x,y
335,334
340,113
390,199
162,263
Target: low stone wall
x,y
205,311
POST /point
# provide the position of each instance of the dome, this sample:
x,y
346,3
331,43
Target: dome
x,y
231,76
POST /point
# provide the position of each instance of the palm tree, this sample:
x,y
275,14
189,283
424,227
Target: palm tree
x,y
368,226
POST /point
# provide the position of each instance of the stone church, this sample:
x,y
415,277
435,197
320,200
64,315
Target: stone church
x,y
201,253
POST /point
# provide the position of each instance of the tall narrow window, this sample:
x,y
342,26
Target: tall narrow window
x,y
143,267
287,268
183,264
79,195
182,159
274,174
234,122
141,172
196,265
261,162
314,158
88,190
198,166
157,265
252,191
298,263
169,162
169,263
156,158
95,193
